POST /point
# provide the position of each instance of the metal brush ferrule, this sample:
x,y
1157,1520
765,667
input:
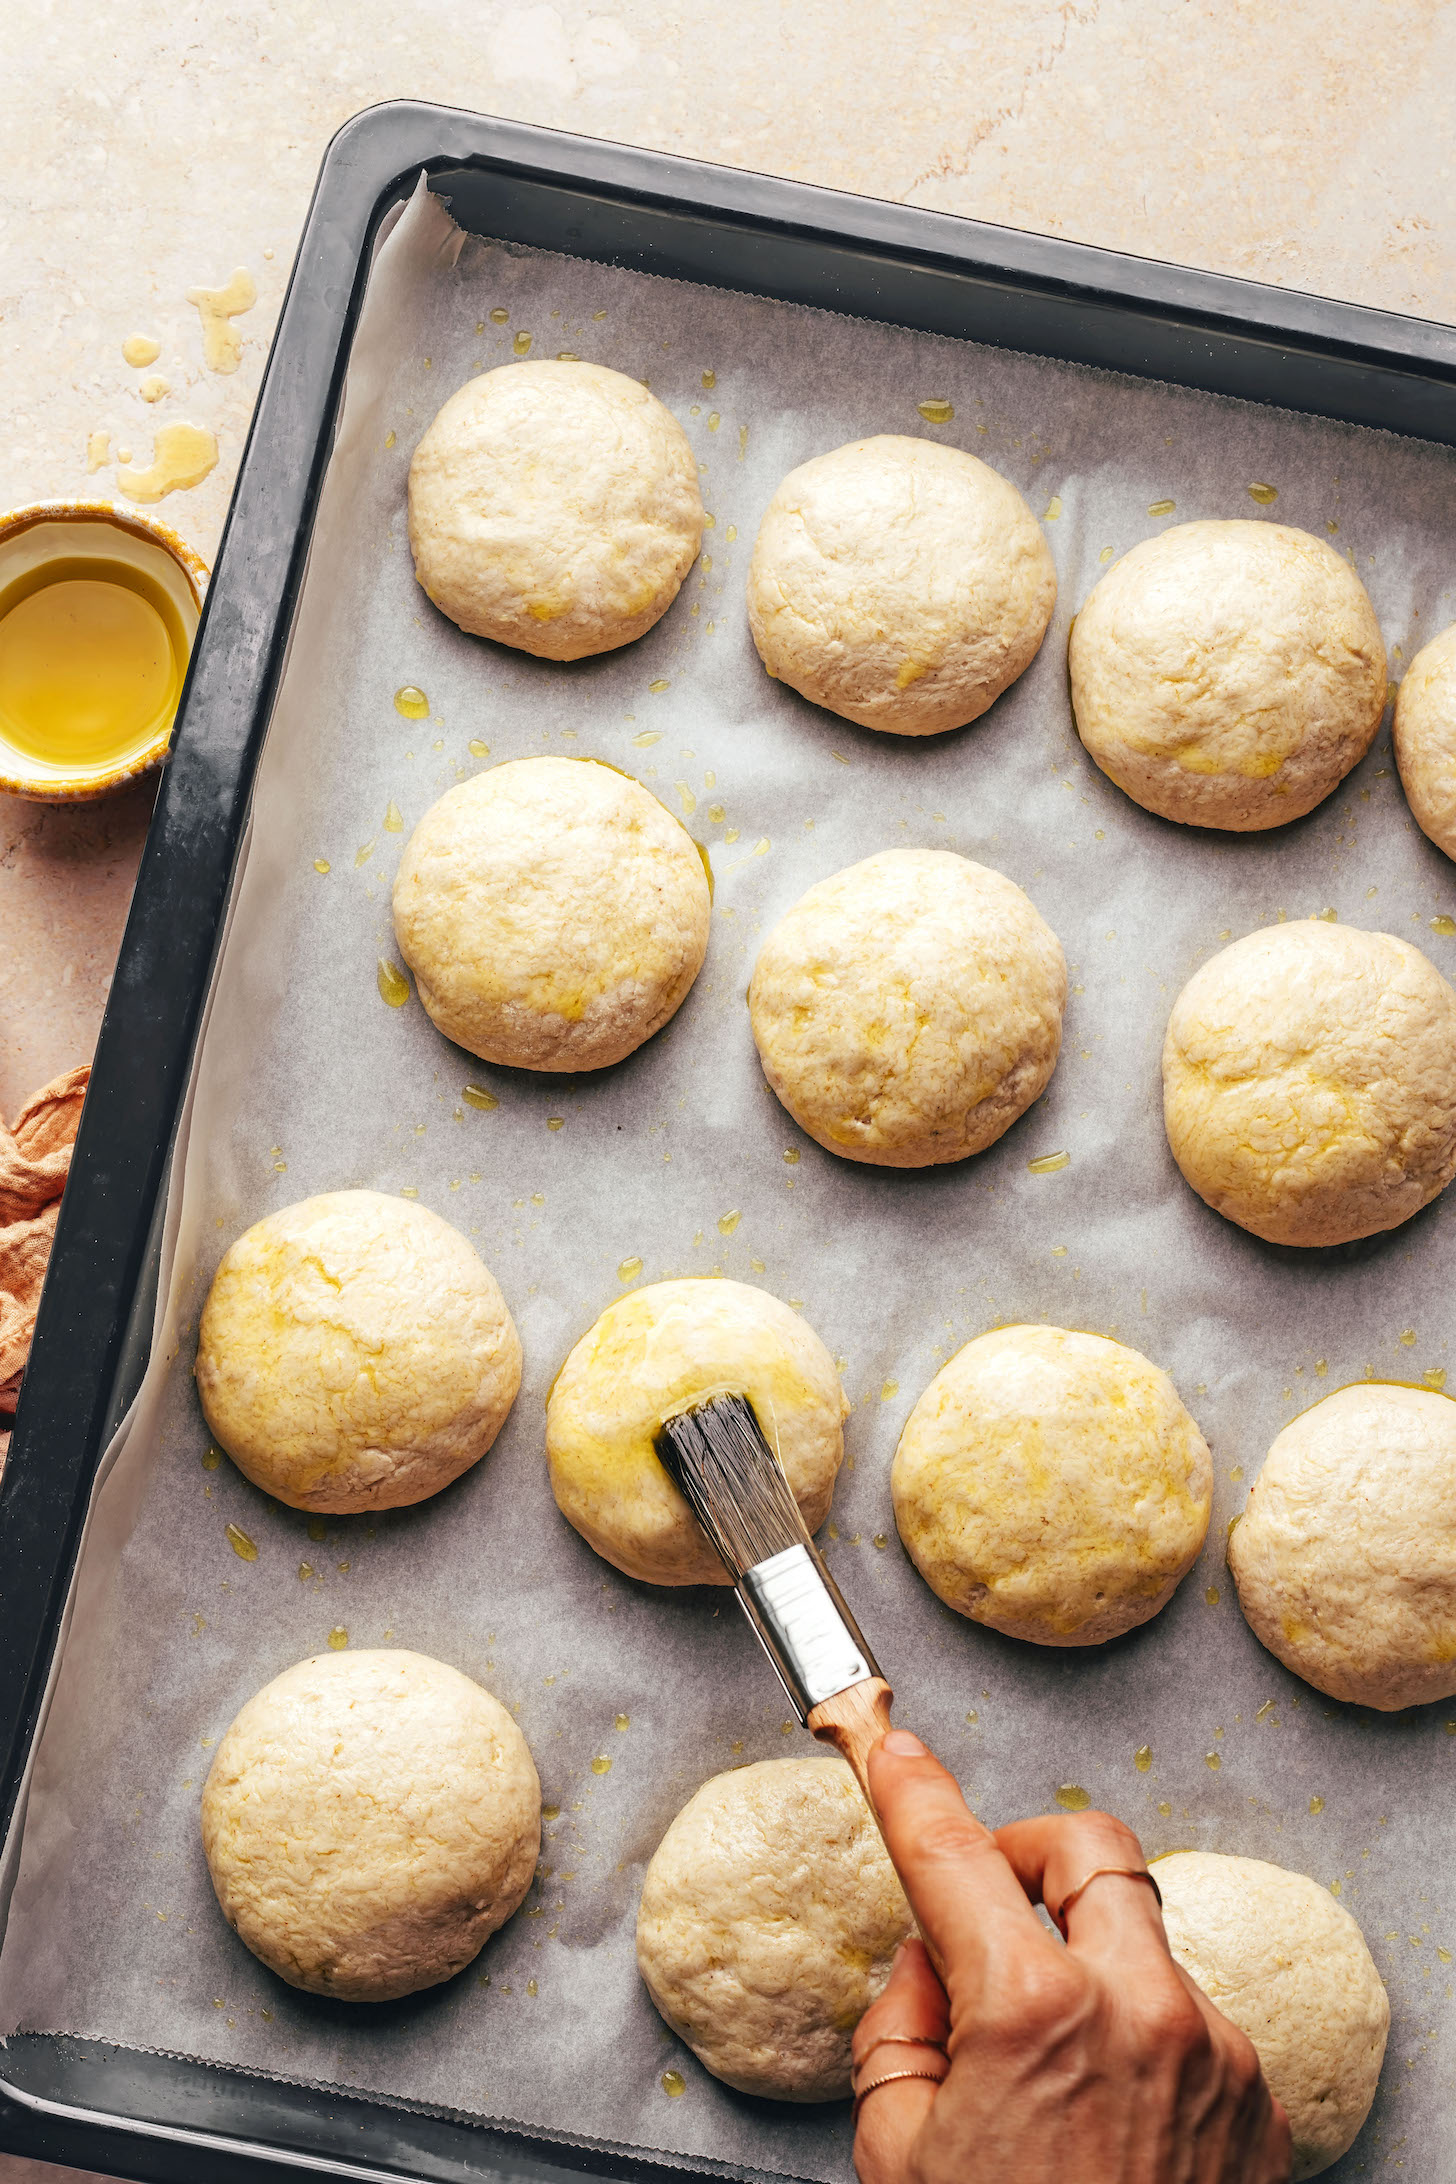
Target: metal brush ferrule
x,y
805,1628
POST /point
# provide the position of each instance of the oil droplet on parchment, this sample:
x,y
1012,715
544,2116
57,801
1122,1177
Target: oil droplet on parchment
x,y
660,684
410,700
936,410
98,451
1212,1596
601,1764
628,1269
1161,508
791,1156
244,1548
153,387
222,344
211,1458
1073,1798
1048,1163
338,1638
477,749
393,819
1316,1804
1445,926
889,1389
1264,494
1053,509
321,864
393,985
182,456
1435,1377
389,439
1142,1758
710,380
728,1222
556,1122
1211,1759
550,1812
522,344
624,1721
476,1095
140,350
674,2083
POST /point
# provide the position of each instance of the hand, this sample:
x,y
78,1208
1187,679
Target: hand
x,y
1100,2062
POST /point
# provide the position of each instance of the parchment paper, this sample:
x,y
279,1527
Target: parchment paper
x,y
309,1082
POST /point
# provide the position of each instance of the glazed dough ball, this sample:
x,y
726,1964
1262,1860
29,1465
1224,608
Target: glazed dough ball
x,y
1289,1966
354,1352
1345,1557
369,1820
553,912
770,1912
554,507
1425,739
899,583
1309,1082
1051,1485
1228,674
909,1008
653,1353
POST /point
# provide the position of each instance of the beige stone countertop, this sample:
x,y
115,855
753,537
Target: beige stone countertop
x,y
157,148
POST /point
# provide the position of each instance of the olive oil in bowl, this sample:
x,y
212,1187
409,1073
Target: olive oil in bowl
x,y
92,657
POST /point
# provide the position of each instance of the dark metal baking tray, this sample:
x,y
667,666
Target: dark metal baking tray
x,y
164,2117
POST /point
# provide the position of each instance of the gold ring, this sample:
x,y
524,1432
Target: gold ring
x,y
891,2077
1121,1872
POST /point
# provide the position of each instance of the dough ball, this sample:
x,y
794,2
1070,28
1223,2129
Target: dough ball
x,y
369,1820
355,1352
900,583
1309,1082
553,912
554,507
908,1009
1228,674
770,1913
1289,1966
1345,1557
1425,739
1051,1485
652,1353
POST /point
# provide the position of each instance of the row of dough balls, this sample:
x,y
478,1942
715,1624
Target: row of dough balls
x,y
354,1352
1223,674
370,1819
908,1009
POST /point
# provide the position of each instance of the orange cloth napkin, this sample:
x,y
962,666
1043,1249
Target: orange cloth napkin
x,y
35,1159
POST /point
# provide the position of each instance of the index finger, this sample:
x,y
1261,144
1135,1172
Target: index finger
x,y
967,1900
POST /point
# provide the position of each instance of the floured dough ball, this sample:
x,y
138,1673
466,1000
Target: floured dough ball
x,y
654,1353
554,507
1309,1082
553,912
1228,674
369,1820
770,1913
1425,739
1052,1485
1345,1557
909,1008
1289,1966
355,1352
899,583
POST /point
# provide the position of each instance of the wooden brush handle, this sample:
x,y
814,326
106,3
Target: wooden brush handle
x,y
854,1721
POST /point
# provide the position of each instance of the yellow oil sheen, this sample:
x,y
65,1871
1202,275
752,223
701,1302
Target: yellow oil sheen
x,y
92,659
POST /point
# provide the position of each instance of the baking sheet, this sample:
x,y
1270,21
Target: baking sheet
x,y
309,1082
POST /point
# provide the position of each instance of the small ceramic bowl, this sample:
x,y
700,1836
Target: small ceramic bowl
x,y
80,531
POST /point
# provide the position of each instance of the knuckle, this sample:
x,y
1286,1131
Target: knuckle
x,y
1166,2018
1046,1998
1112,1838
1241,2062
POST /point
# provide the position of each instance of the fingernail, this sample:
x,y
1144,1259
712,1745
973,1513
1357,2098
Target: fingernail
x,y
904,1745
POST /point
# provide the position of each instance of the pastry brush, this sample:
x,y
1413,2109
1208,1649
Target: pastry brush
x,y
717,1455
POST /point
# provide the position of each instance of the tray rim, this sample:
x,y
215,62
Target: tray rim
x,y
1373,367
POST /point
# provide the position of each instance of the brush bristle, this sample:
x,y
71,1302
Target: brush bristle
x,y
733,1483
